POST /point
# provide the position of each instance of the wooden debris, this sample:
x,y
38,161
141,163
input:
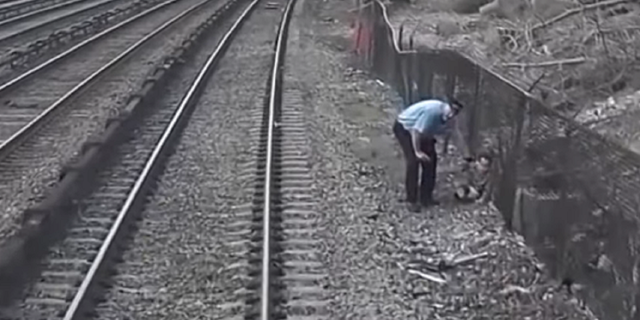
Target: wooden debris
x,y
427,276
469,258
546,63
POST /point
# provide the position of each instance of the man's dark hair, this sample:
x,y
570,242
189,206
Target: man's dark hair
x,y
456,104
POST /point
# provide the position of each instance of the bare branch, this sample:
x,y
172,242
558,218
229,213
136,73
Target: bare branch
x,y
573,11
546,63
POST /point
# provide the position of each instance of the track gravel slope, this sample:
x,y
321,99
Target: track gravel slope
x,y
25,177
372,241
189,258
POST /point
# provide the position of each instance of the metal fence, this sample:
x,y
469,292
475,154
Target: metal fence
x,y
571,193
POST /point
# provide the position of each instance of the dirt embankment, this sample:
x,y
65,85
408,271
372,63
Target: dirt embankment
x,y
587,52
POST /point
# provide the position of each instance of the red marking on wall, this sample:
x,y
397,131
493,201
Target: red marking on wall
x,y
361,40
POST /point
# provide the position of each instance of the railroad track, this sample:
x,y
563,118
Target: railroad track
x,y
50,297
34,47
32,97
275,272
15,33
72,106
21,9
270,180
85,46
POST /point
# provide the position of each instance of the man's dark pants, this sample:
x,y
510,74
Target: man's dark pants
x,y
428,176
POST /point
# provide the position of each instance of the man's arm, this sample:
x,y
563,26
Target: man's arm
x,y
416,136
421,130
415,139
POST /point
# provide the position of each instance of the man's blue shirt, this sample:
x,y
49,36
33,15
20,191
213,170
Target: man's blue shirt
x,y
425,116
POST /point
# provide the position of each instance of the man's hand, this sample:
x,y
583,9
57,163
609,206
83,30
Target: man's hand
x,y
422,156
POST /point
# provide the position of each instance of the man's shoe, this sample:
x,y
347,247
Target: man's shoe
x,y
413,207
430,203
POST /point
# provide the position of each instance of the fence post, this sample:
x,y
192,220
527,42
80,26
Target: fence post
x,y
414,76
400,33
407,78
370,32
472,124
450,85
425,85
509,179
450,88
401,76
376,43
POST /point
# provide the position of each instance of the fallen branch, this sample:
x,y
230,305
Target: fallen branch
x,y
451,263
467,259
621,29
573,11
546,63
427,276
509,289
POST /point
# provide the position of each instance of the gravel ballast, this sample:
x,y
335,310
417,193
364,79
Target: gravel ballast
x,y
187,261
44,25
29,176
374,246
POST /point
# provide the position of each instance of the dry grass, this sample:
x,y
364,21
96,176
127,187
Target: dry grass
x,y
587,52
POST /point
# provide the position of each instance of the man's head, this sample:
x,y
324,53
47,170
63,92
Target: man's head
x,y
454,108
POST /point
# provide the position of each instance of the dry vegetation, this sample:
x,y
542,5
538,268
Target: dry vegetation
x,y
586,51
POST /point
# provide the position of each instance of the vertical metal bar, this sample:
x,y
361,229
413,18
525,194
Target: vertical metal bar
x,y
472,123
400,33
450,85
427,86
450,88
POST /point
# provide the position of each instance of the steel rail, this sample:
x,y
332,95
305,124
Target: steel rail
x,y
15,140
19,4
19,79
30,14
8,10
275,92
54,20
138,192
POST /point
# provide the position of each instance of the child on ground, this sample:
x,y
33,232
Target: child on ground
x,y
477,184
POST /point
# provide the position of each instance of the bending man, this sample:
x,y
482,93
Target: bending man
x,y
415,129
